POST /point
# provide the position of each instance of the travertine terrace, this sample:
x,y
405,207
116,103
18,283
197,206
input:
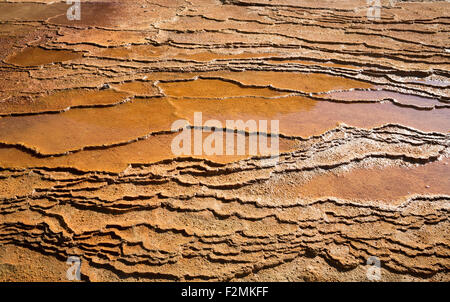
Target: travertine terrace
x,y
86,168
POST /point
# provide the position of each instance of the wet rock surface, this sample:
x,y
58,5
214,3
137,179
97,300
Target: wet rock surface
x,y
86,166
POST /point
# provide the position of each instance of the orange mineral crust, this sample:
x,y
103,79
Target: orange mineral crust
x,y
224,140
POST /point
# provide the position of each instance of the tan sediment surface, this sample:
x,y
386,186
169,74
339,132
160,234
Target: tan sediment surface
x,y
87,169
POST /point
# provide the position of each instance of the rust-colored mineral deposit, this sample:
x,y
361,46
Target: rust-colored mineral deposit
x,y
87,162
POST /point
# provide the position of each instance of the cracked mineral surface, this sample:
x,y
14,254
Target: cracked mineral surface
x,y
87,169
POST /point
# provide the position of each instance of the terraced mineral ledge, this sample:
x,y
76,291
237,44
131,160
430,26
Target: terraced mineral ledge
x,y
87,170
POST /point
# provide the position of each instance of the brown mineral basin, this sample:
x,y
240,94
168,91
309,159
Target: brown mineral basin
x,y
116,159
131,52
304,82
101,37
388,184
150,51
76,129
245,108
296,81
299,116
35,56
210,88
63,100
210,56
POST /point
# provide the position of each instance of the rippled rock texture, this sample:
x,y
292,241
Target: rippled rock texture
x,y
86,167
